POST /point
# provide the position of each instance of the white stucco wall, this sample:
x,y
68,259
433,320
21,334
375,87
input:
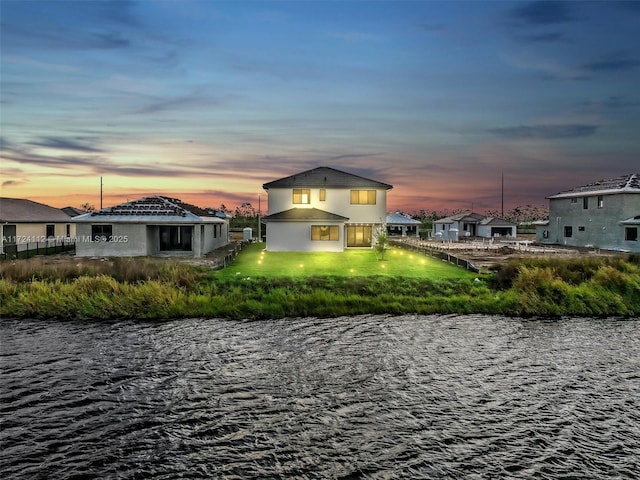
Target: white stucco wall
x,y
296,237
338,201
31,234
445,231
485,230
36,232
139,239
130,240
216,235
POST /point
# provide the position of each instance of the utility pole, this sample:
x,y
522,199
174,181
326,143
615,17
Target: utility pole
x,y
259,225
502,196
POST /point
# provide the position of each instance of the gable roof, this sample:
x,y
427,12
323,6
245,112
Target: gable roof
x,y
21,210
497,222
625,184
462,217
326,177
477,219
152,209
305,214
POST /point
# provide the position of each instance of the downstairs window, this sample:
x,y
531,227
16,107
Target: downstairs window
x,y
101,233
325,232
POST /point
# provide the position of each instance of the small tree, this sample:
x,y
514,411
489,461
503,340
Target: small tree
x,y
382,241
246,210
223,208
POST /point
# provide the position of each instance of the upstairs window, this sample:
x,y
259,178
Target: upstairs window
x,y
574,200
600,201
585,203
363,197
323,194
301,195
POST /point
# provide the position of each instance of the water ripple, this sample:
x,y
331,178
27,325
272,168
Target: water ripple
x,y
432,397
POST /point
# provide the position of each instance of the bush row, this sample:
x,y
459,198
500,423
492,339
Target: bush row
x,y
593,287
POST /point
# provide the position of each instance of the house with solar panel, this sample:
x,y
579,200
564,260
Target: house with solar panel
x,y
155,225
324,209
603,214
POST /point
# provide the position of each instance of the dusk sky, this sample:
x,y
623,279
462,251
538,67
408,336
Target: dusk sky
x,y
206,101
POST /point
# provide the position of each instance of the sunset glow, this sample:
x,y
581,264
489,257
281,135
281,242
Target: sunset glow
x,y
206,101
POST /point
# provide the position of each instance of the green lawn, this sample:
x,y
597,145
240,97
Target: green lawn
x,y
255,261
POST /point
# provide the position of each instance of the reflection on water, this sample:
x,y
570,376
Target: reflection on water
x,y
365,397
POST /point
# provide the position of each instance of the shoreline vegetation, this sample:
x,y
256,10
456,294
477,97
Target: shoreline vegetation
x,y
258,286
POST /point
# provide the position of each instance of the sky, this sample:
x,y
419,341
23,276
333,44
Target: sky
x,y
206,101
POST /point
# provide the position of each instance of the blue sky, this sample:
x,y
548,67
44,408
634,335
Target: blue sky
x,y
207,100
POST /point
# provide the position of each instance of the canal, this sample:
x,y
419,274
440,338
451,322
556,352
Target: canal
x,y
372,397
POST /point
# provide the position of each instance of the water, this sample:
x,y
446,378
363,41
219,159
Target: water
x,y
432,397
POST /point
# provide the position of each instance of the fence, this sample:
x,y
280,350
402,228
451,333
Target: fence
x,y
31,249
233,250
434,252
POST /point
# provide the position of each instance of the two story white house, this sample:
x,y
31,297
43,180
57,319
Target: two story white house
x,y
324,209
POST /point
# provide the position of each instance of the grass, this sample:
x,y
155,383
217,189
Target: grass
x,y
130,270
254,261
325,286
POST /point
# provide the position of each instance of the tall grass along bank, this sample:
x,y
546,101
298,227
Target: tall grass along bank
x,y
160,289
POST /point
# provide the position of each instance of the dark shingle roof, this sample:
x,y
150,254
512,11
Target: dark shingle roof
x,y
326,177
625,184
497,222
305,214
468,217
20,210
73,211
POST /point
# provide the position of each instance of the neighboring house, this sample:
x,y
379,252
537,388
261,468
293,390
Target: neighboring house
x,y
403,225
24,221
151,226
472,225
324,209
604,214
491,227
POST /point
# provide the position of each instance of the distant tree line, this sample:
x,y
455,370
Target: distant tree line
x,y
243,216
520,214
